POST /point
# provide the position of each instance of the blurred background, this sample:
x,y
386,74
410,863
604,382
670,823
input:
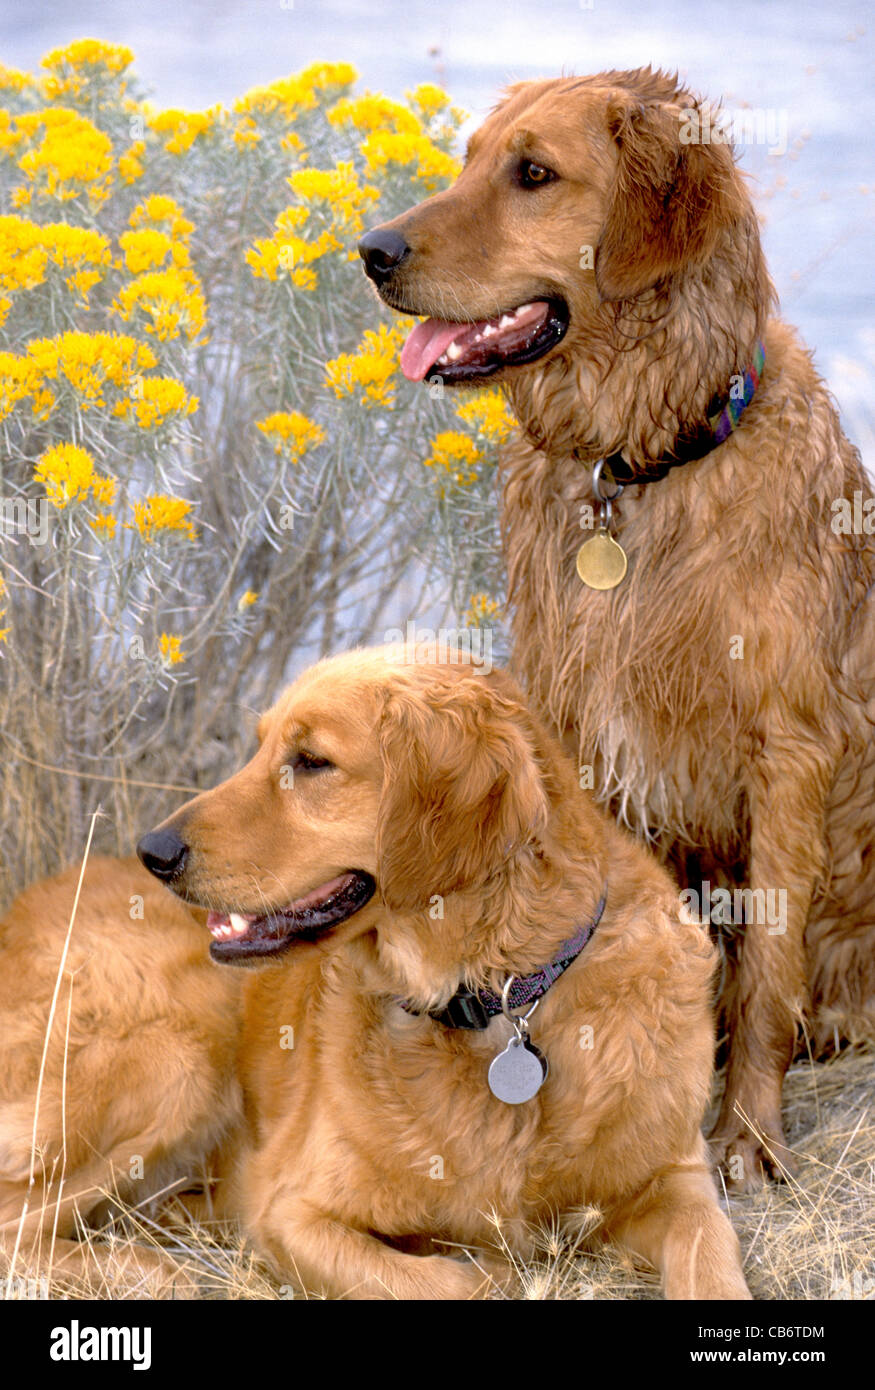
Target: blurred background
x,y
802,61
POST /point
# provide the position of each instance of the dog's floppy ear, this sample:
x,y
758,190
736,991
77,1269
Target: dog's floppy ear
x,y
462,788
670,199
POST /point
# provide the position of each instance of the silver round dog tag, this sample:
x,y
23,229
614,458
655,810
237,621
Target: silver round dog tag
x,y
518,1073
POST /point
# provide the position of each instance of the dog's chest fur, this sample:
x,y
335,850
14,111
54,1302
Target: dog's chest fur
x,y
637,679
724,632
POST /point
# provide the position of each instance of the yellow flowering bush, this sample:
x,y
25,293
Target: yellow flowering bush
x,y
291,431
489,415
170,649
75,369
457,455
290,97
482,610
370,373
370,112
155,399
428,164
164,302
130,166
213,467
84,68
163,514
65,157
183,127
148,248
68,475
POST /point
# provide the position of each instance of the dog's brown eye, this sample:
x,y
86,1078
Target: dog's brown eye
x,y
533,175
309,762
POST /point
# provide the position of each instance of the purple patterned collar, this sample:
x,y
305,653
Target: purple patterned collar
x,y
474,1008
724,416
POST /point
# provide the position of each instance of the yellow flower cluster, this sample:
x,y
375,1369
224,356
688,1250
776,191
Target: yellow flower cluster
x,y
170,649
488,414
161,209
4,631
441,120
13,79
457,455
292,432
152,399
332,198
18,380
427,163
246,133
22,259
86,361
345,199
67,473
374,112
371,370
70,156
104,525
429,99
184,127
82,64
481,608
290,96
168,300
146,249
26,250
130,165
287,250
162,513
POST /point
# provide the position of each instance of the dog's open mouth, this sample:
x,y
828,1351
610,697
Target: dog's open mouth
x,y
459,352
239,936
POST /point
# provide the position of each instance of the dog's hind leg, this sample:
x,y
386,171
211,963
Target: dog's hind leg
x,y
678,1226
840,938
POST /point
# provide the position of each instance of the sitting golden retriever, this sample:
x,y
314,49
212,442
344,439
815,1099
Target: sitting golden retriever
x,y
407,845
709,648
133,1090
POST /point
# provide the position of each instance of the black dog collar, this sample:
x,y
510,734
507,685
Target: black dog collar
x,y
724,413
474,1008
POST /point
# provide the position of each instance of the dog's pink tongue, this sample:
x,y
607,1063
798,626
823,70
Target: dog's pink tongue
x,y
426,344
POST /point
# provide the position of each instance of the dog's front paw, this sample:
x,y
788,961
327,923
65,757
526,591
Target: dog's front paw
x,y
454,1278
750,1160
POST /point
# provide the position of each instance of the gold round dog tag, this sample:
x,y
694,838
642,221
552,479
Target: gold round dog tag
x,y
601,561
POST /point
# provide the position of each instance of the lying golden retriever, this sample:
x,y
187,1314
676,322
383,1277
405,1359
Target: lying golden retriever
x,y
118,1043
408,838
710,650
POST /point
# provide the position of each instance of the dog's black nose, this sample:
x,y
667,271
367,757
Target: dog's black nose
x,y
382,251
163,854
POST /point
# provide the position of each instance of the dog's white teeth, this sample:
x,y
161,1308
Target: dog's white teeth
x,y
506,320
443,360
238,924
489,331
521,309
453,352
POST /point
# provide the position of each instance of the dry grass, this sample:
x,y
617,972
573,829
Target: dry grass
x,y
808,1238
